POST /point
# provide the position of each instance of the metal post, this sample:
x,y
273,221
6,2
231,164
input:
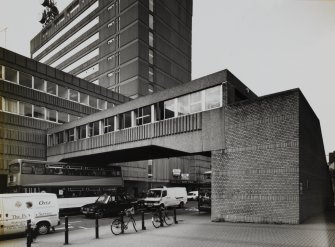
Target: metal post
x,y
143,226
175,215
29,233
122,223
96,225
66,230
161,217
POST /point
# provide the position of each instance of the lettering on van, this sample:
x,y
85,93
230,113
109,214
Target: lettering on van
x,y
21,216
44,202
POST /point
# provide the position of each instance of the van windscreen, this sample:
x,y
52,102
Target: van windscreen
x,y
154,193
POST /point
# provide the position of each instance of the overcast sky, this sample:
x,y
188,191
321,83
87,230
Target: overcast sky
x,y
270,45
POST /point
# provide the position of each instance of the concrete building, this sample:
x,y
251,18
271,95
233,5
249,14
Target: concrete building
x,y
35,97
132,47
267,155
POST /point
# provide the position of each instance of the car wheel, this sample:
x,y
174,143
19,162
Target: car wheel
x,y
43,228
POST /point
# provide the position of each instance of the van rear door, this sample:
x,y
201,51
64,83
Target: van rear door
x,y
15,214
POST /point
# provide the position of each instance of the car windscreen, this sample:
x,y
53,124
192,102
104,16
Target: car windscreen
x,y
102,199
154,193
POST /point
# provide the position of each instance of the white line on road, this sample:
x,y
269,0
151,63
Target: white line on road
x,y
63,228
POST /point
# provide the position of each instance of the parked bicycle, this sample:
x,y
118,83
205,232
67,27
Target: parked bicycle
x,y
161,216
119,225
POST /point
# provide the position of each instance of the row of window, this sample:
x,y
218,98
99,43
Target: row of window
x,y
73,23
39,84
34,111
203,100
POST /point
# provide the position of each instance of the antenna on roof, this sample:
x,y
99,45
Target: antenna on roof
x,y
49,13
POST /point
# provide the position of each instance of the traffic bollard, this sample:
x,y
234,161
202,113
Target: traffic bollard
x,y
29,233
66,230
175,215
96,225
122,223
143,226
161,217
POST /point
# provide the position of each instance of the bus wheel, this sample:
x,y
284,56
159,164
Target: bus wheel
x,y
43,228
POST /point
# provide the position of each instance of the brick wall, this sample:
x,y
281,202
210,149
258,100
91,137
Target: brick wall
x,y
256,178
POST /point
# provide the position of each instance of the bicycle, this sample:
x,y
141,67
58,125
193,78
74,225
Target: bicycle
x,y
118,226
161,215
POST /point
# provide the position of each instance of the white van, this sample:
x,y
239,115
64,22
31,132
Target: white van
x,y
15,209
193,195
167,197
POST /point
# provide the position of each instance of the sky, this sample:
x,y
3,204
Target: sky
x,y
270,45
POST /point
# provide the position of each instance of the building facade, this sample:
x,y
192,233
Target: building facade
x,y
35,97
132,47
268,161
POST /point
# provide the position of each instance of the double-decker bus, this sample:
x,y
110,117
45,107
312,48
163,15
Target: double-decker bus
x,y
75,185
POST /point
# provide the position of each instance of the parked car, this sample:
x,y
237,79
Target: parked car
x,y
192,195
107,205
166,197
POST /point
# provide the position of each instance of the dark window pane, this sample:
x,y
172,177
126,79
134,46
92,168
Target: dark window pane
x,y
63,92
39,112
10,75
39,84
62,117
74,95
108,124
213,99
169,109
93,102
51,115
82,132
26,109
84,98
51,88
70,135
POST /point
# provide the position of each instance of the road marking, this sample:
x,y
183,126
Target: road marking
x,y
81,227
63,228
71,222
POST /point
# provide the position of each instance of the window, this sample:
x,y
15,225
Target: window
x,y
2,104
73,118
70,135
93,129
74,95
151,56
184,105
169,108
26,80
151,74
143,115
149,168
150,88
63,92
51,88
51,115
39,84
89,71
11,75
151,21
82,60
62,117
151,5
125,120
110,105
1,72
93,101
109,124
39,112
196,102
26,109
84,98
82,131
102,104
11,106
151,39
213,98
59,137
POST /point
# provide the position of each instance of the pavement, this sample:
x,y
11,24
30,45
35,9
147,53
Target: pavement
x,y
195,230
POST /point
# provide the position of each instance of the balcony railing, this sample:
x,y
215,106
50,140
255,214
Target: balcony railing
x,y
172,126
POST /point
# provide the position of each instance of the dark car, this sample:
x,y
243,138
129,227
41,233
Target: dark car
x,y
107,205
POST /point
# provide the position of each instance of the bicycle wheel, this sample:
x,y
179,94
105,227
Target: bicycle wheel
x,y
168,219
134,224
116,227
156,220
